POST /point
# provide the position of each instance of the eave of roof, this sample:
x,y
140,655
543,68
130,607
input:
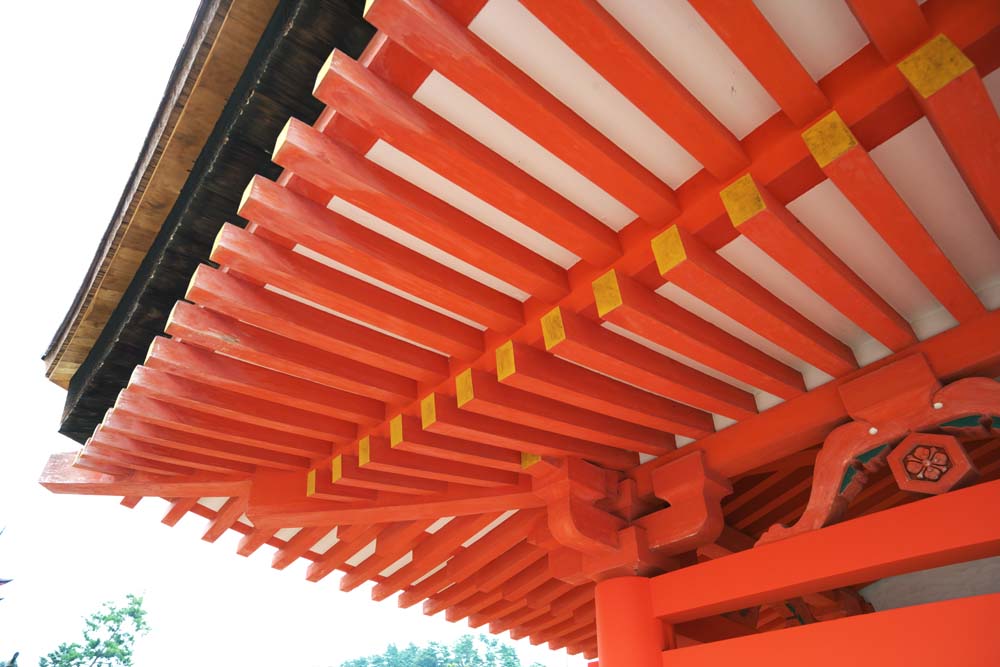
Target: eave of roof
x,y
216,50
273,83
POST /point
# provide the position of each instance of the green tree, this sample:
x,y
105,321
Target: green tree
x,y
108,638
467,651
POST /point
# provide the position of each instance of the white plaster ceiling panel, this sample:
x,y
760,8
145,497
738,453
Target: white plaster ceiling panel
x,y
334,264
676,35
327,541
476,119
828,214
515,33
213,503
330,311
493,524
821,33
380,226
762,399
362,555
403,561
923,174
406,167
812,376
287,533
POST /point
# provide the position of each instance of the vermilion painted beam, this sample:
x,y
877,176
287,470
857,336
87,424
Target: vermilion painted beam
x,y
749,35
476,556
231,337
628,304
406,434
288,506
298,546
516,618
111,455
233,375
479,392
178,508
685,261
930,533
202,423
225,518
378,454
345,241
166,434
123,443
130,501
497,610
530,369
802,422
392,544
615,54
593,346
351,540
851,169
440,414
340,172
347,472
381,109
254,540
59,476
524,555
895,27
950,91
303,323
451,49
432,551
758,216
343,293
887,637
320,486
177,390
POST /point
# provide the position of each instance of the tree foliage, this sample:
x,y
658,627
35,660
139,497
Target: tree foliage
x,y
108,638
467,651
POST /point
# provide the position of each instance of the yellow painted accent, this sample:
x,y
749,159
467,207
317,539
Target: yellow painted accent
x,y
463,387
742,200
528,460
829,138
282,137
607,294
79,455
194,274
311,483
505,361
553,330
395,430
668,249
337,469
249,188
322,72
368,7
215,242
934,65
428,411
364,451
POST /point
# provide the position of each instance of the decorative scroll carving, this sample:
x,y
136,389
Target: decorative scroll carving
x,y
964,398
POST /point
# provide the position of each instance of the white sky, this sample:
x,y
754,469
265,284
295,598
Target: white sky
x,y
80,84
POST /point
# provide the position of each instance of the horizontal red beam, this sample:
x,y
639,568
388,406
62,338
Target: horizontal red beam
x,y
941,530
966,628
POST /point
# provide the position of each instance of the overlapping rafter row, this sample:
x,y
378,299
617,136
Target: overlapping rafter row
x,y
466,340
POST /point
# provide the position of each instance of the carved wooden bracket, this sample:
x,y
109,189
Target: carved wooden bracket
x,y
586,506
695,495
887,404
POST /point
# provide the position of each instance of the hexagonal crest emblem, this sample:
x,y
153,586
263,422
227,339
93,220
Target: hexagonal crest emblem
x,y
931,463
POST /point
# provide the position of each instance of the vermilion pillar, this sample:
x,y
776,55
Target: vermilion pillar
x,y
628,634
